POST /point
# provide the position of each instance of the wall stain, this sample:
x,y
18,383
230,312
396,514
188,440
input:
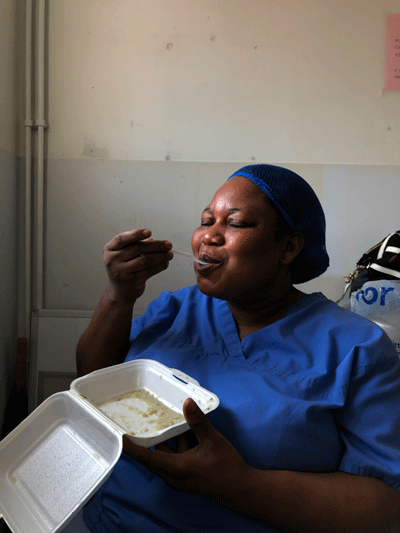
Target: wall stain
x,y
93,151
169,46
212,37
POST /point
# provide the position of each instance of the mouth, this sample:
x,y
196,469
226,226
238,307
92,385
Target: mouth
x,y
209,259
212,263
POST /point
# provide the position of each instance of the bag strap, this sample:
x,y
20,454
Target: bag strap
x,y
368,261
383,249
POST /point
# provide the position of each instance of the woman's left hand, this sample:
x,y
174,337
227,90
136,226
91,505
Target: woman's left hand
x,y
212,469
288,501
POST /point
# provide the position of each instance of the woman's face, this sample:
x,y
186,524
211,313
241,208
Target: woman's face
x,y
237,235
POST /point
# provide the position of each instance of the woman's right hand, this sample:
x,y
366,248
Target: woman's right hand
x,y
131,258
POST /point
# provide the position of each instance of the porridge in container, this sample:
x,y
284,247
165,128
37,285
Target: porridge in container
x,y
139,412
144,398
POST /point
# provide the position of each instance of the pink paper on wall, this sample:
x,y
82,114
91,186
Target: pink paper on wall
x,y
392,56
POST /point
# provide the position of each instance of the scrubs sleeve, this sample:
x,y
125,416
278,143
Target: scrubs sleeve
x,y
369,421
159,310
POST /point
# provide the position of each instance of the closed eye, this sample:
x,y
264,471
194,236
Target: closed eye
x,y
240,224
232,224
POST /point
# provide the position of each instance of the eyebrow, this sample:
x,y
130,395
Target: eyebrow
x,y
230,209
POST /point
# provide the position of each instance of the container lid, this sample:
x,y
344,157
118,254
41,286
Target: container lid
x,y
53,462
58,457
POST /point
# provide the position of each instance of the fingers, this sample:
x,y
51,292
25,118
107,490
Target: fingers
x,y
135,451
163,447
137,270
197,420
131,258
134,243
186,442
128,237
135,261
155,460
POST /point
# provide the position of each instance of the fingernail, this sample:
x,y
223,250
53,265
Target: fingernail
x,y
191,406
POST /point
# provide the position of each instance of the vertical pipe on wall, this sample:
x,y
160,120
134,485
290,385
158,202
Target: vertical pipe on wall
x,y
28,166
41,125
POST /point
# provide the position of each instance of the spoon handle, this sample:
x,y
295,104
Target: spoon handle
x,y
189,256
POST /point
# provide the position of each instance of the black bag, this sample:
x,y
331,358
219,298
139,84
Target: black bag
x,y
382,261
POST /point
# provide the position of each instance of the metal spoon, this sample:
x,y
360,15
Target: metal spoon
x,y
189,256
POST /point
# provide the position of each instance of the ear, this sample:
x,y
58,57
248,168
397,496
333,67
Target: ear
x,y
294,243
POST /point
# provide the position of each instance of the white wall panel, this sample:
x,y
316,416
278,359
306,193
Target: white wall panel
x,y
361,208
88,202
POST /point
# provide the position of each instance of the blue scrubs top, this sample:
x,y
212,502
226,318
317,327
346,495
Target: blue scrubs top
x,y
317,391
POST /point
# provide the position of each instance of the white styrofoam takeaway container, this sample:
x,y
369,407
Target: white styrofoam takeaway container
x,y
58,457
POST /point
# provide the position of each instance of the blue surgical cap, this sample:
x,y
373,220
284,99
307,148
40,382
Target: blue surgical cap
x,y
302,210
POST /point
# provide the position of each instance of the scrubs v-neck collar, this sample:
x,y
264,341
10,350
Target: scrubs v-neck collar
x,y
230,334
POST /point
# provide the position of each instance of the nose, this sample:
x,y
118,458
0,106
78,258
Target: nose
x,y
213,236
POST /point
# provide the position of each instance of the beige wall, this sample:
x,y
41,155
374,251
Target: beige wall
x,y
221,81
152,105
8,69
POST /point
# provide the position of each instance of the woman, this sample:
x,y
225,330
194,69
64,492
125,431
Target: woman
x,y
306,437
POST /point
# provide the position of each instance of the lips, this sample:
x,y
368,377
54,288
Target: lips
x,y
212,264
209,259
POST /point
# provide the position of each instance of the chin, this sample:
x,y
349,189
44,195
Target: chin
x,y
210,290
